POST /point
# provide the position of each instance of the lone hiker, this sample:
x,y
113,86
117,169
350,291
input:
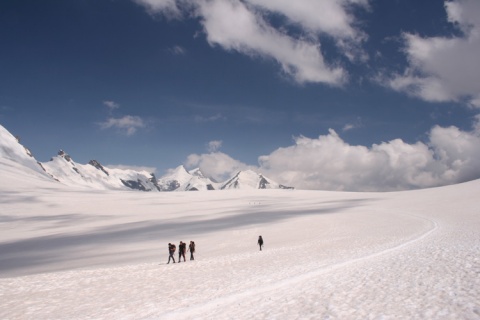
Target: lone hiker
x,y
191,248
260,242
182,247
171,251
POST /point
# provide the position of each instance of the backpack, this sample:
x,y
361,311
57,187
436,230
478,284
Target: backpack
x,y
182,247
192,247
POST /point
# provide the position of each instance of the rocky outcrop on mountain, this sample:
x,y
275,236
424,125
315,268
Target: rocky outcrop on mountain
x,y
251,180
97,165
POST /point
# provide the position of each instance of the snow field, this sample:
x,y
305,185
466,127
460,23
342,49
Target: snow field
x,y
67,254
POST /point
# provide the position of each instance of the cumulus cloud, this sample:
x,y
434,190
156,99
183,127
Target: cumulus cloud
x,y
129,167
216,165
329,163
327,17
233,26
241,26
127,124
445,68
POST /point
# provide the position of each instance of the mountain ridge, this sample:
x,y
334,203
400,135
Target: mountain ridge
x,y
93,175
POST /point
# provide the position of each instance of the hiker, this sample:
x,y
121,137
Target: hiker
x,y
181,251
171,251
260,242
191,248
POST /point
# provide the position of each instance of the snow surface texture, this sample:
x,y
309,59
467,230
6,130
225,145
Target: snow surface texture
x,y
70,253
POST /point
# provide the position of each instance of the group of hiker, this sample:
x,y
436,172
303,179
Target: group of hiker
x,y
182,249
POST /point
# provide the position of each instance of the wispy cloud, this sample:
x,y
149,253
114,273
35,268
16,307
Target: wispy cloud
x,y
127,124
168,8
348,127
353,125
177,50
216,117
214,145
112,105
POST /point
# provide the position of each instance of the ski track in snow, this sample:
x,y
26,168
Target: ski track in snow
x,y
273,293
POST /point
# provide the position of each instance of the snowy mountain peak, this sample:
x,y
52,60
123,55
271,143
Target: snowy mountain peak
x,y
64,155
197,173
179,179
249,179
13,152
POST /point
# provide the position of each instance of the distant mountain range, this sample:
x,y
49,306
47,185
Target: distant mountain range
x,y
93,175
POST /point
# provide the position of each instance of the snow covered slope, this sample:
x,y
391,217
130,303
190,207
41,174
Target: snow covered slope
x,y
12,151
249,179
180,179
95,176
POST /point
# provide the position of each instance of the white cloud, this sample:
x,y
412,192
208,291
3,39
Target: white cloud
x,y
178,50
353,125
128,124
348,127
112,105
476,125
328,163
216,165
129,167
239,26
168,8
445,68
450,156
327,17
231,25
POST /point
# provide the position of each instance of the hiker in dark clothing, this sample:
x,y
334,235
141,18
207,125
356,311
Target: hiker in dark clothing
x,y
171,251
182,247
260,242
191,248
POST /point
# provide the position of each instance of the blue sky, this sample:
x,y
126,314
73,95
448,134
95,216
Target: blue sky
x,y
261,84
